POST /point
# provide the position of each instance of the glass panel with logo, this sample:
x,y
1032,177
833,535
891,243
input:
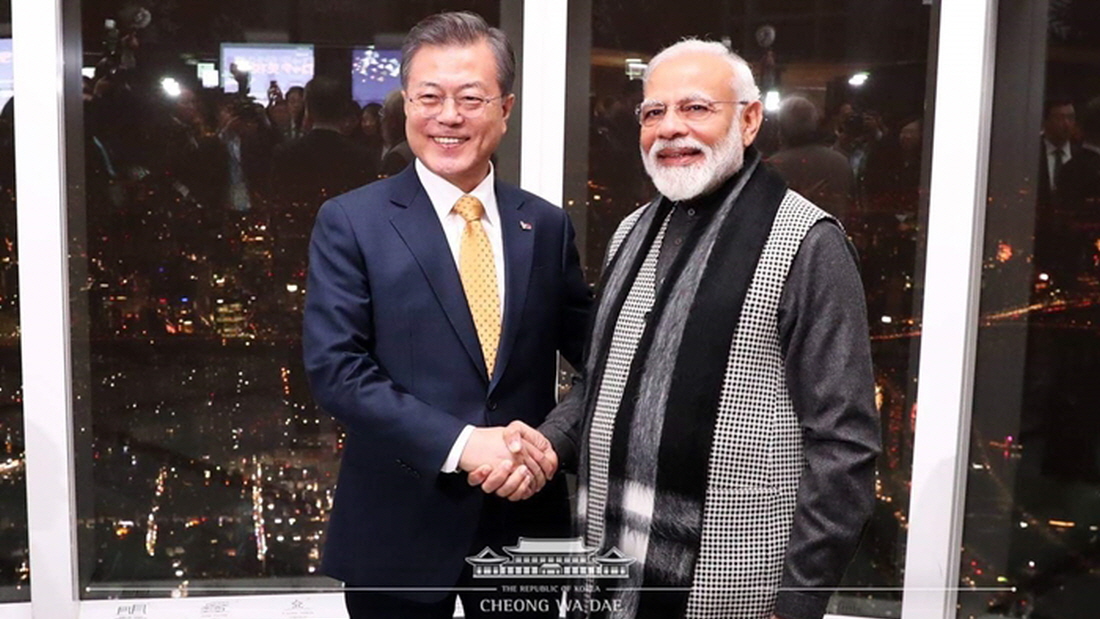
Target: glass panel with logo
x,y
203,462
14,565
846,93
1032,529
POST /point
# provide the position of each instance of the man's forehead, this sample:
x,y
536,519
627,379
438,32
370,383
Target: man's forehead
x,y
478,49
688,73
432,83
453,64
683,96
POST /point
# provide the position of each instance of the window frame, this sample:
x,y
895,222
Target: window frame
x,y
959,168
956,227
44,307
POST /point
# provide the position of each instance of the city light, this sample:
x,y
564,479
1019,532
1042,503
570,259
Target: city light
x,y
171,87
259,530
635,68
208,74
859,79
771,101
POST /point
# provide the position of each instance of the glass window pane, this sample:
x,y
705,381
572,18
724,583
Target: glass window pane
x,y
14,562
858,144
202,460
1031,536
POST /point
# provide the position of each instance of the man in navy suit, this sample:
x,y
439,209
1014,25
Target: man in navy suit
x,y
429,324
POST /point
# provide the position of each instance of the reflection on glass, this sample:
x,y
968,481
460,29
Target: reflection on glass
x,y
205,458
14,565
1031,542
843,83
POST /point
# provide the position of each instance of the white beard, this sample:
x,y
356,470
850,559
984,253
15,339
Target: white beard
x,y
679,183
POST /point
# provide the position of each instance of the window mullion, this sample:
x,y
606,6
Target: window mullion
x,y
44,306
950,313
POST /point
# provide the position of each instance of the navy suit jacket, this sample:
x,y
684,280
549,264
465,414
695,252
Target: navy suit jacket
x,y
391,351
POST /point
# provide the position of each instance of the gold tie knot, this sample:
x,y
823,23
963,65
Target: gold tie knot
x,y
469,208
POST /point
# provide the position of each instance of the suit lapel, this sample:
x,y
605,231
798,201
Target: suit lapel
x,y
519,242
418,225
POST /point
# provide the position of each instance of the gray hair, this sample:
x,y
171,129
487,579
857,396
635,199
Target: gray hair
x,y
459,29
798,121
744,84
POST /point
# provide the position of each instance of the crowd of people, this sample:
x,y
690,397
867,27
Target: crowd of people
x,y
866,172
853,164
184,178
224,148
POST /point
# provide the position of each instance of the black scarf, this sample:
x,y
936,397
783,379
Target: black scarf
x,y
743,223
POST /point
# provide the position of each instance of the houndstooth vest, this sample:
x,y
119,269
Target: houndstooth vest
x,y
756,458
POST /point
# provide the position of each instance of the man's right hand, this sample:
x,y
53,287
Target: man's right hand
x,y
488,450
485,446
539,463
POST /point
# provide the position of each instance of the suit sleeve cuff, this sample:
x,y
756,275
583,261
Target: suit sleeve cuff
x,y
450,465
562,445
799,605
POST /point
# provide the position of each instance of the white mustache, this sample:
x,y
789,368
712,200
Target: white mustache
x,y
681,142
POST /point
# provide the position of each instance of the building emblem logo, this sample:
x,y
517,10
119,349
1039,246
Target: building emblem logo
x,y
551,558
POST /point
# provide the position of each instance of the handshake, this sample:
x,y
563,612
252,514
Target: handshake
x,y
514,461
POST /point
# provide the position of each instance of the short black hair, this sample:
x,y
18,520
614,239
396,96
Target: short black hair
x,y
1053,101
325,100
351,108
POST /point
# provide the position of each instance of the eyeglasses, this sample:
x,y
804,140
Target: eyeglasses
x,y
430,105
693,111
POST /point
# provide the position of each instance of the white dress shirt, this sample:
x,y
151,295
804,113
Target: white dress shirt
x,y
443,196
1051,149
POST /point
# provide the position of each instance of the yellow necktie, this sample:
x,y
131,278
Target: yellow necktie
x,y
479,278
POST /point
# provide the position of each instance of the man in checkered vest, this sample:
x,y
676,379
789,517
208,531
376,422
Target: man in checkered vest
x,y
725,434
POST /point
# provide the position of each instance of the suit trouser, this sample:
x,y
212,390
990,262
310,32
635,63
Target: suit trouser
x,y
480,598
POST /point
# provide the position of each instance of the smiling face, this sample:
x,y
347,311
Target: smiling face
x,y
685,158
450,144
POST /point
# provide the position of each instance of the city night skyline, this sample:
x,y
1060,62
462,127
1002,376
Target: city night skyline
x,y
203,461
